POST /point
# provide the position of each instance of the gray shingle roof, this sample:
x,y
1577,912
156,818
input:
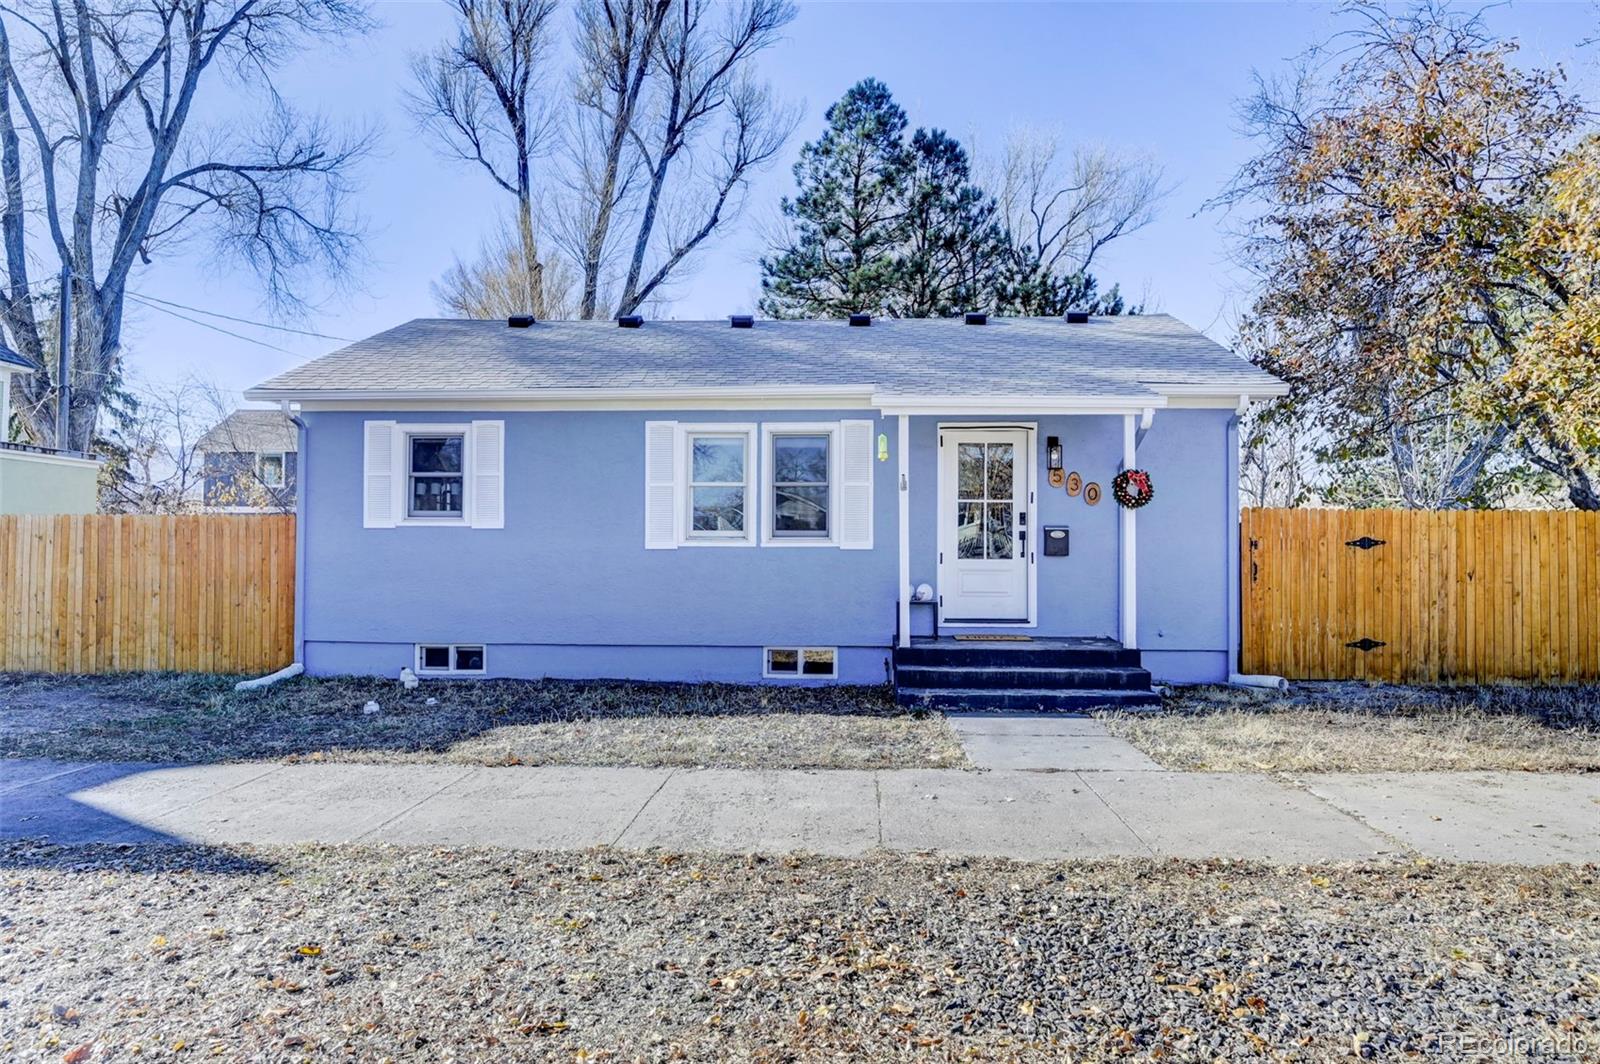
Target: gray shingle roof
x,y
12,358
1108,356
250,431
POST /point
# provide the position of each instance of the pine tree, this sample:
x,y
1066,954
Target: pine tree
x,y
849,216
954,244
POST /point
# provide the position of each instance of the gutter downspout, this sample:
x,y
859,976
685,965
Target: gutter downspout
x,y
299,536
1235,575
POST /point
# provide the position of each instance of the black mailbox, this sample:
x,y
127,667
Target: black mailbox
x,y
1055,541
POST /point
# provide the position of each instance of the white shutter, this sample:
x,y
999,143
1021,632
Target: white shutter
x,y
379,490
660,485
855,485
488,474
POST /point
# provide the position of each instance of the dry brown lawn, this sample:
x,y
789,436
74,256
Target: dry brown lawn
x,y
201,719
1359,728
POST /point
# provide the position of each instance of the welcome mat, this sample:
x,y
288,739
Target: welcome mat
x,y
997,638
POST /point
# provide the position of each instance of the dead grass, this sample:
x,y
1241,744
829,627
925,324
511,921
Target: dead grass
x,y
1377,728
154,717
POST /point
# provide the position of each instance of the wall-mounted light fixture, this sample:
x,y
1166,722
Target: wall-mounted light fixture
x,y
1052,452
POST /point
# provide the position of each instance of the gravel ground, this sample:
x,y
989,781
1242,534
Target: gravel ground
x,y
1347,727
374,954
155,717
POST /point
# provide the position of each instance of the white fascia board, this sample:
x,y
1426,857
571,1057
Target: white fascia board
x,y
69,460
774,397
1004,405
1220,395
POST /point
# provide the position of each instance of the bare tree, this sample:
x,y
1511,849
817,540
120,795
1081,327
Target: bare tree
x,y
481,96
494,285
616,43
701,76
1061,207
104,93
152,464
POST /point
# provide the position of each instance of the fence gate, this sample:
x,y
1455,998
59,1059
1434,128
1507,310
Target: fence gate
x,y
111,593
1420,596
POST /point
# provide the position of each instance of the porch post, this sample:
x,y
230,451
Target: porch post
x,y
1130,544
904,596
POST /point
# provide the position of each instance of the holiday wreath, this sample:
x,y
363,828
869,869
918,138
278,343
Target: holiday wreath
x,y
1132,488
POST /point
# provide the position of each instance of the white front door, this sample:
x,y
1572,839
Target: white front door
x,y
983,524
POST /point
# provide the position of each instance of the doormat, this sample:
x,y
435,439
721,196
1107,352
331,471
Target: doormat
x,y
997,638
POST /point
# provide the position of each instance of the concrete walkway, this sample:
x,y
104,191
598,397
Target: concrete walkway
x,y
1045,742
1505,817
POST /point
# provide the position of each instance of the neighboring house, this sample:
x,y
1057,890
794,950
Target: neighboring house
x,y
39,480
250,462
689,501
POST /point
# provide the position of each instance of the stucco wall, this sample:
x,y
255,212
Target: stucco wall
x,y
47,484
567,588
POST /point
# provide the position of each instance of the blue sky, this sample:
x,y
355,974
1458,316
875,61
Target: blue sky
x,y
1157,78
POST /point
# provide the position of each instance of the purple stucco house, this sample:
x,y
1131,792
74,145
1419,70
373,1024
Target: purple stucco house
x,y
775,501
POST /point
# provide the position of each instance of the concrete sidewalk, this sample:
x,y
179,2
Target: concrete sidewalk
x,y
1505,817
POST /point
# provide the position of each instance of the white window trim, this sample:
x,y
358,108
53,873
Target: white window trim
x,y
771,429
685,497
403,433
283,468
799,673
417,667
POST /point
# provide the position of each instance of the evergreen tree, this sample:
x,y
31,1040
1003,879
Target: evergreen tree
x,y
1033,289
849,217
954,244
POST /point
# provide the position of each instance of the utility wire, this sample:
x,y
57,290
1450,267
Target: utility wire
x,y
241,321
208,325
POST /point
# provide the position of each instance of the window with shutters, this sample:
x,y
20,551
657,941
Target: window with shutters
x,y
430,474
814,488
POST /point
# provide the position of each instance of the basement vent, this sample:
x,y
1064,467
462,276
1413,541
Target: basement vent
x,y
861,319
743,321
1077,317
630,321
975,318
520,321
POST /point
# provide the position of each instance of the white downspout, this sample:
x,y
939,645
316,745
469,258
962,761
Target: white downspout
x,y
904,450
1130,545
1231,482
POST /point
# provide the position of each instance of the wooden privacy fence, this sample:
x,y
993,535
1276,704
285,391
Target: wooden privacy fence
x,y
109,593
1419,596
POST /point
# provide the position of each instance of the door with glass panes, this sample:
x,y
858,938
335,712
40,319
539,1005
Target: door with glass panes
x,y
983,525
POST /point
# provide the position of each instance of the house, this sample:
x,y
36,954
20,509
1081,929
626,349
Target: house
x,y
40,480
249,462
754,501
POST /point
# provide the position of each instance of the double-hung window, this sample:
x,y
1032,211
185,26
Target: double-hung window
x,y
434,475
777,484
718,481
800,475
269,467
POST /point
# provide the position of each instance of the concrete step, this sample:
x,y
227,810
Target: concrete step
x,y
950,677
1033,655
1022,698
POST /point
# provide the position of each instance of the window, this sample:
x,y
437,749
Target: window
x,y
801,475
815,663
434,465
718,479
452,658
269,468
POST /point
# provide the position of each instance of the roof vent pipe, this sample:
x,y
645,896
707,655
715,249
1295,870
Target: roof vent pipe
x,y
743,321
520,321
861,319
630,321
977,318
1077,317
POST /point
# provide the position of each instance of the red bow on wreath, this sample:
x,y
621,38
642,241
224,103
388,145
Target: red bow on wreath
x,y
1132,488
